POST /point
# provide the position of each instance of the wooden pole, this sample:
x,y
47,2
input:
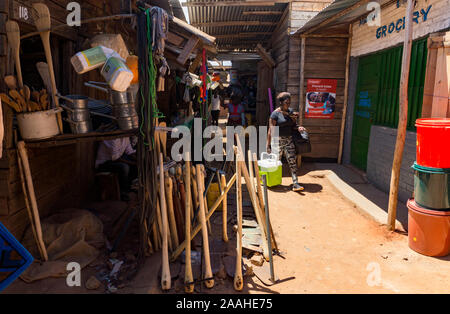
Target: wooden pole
x,y
34,207
403,118
255,201
344,110
301,107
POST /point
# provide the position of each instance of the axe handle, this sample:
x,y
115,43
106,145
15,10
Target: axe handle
x,y
197,228
177,210
208,272
188,278
238,280
165,272
223,183
170,210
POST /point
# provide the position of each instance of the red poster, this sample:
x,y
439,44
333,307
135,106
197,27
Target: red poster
x,y
320,99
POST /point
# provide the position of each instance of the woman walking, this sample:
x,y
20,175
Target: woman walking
x,y
285,119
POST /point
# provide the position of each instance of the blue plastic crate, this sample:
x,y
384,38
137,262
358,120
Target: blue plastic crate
x,y
9,244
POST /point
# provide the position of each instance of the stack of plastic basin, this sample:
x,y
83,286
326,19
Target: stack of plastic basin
x,y
429,211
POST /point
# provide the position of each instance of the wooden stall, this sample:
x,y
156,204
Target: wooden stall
x,y
63,172
62,168
324,55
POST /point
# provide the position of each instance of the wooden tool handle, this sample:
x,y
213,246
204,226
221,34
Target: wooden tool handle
x,y
170,210
188,278
18,67
197,228
29,180
238,279
194,188
208,272
251,191
179,220
261,199
45,36
223,183
165,272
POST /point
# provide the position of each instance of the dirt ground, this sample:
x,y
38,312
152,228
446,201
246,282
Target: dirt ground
x,y
327,244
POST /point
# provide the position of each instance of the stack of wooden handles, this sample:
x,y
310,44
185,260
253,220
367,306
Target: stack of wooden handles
x,y
178,196
190,186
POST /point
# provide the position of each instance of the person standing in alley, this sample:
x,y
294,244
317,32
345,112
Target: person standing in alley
x,y
236,112
215,107
285,119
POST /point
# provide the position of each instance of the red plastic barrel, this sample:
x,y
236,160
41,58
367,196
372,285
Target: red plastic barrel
x,y
428,230
433,142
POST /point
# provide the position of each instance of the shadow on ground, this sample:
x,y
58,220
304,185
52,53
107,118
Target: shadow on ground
x,y
357,180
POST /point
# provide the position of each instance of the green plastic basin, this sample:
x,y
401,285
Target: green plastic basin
x,y
432,187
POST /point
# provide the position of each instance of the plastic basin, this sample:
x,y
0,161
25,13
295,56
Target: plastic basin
x,y
433,142
428,230
432,187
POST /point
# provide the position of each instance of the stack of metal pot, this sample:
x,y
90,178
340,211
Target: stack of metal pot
x,y
124,109
122,104
78,114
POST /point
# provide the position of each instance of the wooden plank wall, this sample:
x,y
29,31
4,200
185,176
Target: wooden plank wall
x,y
280,53
286,48
63,176
324,58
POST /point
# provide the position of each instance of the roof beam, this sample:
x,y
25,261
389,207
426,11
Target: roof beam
x,y
265,56
336,16
242,35
262,13
234,23
226,3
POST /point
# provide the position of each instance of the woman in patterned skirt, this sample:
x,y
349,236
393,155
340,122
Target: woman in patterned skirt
x,y
285,119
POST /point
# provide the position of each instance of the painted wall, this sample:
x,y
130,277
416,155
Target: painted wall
x,y
429,16
380,158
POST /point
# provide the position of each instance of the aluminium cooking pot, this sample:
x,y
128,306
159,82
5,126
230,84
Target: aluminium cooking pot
x,y
76,101
115,97
80,127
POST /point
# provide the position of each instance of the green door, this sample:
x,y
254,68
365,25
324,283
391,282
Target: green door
x,y
366,101
377,94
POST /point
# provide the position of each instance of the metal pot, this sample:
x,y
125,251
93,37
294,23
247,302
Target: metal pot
x,y
124,110
80,127
128,123
39,124
76,101
77,115
115,97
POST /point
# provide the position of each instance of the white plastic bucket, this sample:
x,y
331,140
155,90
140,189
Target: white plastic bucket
x,y
39,124
269,162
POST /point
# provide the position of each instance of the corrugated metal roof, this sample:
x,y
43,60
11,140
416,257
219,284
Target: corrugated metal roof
x,y
234,36
335,8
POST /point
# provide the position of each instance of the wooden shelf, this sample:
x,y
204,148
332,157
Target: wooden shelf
x,y
67,139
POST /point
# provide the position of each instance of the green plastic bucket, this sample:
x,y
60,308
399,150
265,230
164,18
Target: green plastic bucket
x,y
272,168
432,187
273,178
